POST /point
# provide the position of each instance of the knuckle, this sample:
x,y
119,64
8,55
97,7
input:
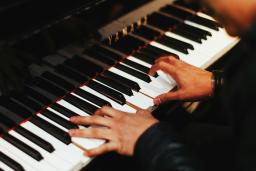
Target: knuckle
x,y
161,64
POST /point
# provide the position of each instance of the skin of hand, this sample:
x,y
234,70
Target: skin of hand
x,y
193,83
121,130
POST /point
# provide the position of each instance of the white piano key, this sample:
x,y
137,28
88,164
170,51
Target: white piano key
x,y
161,84
132,58
199,48
71,107
50,158
57,113
191,58
38,165
51,122
85,143
66,152
85,99
161,75
4,167
136,99
26,165
146,88
115,105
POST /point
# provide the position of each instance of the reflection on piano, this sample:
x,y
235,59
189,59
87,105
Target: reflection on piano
x,y
111,71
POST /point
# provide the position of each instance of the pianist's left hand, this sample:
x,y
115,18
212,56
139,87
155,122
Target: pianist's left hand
x,y
120,129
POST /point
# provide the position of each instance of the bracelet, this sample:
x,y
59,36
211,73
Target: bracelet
x,y
217,81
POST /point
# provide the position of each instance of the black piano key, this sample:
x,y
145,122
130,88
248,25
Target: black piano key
x,y
157,20
23,147
206,22
177,42
68,113
55,106
161,21
84,66
157,52
52,129
110,93
16,108
196,31
106,52
174,43
169,43
58,80
67,72
137,66
6,123
92,98
115,85
59,120
127,44
29,135
11,115
144,57
134,73
81,104
133,85
48,87
188,35
195,6
33,93
66,85
146,32
10,162
177,12
100,57
35,139
28,102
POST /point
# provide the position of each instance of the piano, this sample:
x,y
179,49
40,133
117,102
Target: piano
x,y
109,69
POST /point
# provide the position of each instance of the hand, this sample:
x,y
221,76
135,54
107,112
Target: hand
x,y
120,129
193,83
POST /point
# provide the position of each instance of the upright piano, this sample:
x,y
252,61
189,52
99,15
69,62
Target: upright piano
x,y
85,54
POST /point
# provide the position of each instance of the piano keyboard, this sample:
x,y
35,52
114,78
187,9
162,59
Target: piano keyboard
x,y
34,126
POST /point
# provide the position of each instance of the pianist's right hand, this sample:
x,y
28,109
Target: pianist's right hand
x,y
193,83
12,71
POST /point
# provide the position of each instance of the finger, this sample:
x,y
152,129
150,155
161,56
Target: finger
x,y
108,147
108,111
164,66
169,59
92,132
167,97
91,120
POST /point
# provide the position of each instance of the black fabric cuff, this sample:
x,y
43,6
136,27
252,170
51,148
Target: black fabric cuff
x,y
152,142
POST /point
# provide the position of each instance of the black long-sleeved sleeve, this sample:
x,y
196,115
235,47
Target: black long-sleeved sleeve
x,y
159,149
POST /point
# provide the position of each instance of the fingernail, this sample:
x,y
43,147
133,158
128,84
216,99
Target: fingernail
x,y
71,132
72,119
157,101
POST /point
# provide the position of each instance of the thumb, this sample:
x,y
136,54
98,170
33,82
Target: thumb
x,y
166,97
